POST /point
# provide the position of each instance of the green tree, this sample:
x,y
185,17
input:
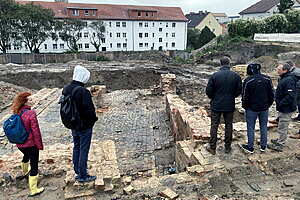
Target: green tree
x,y
8,9
98,34
293,18
276,24
285,5
245,28
193,38
206,36
70,32
34,25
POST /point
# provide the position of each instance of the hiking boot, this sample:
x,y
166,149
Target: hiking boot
x,y
276,147
227,149
245,148
88,178
276,141
210,150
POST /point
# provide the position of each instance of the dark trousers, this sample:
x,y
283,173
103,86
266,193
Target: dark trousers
x,y
82,143
215,121
31,154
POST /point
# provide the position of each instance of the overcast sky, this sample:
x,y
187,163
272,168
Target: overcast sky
x,y
230,7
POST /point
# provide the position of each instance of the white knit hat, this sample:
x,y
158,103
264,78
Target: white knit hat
x,y
81,74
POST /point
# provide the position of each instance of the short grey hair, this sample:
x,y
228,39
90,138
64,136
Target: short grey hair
x,y
290,62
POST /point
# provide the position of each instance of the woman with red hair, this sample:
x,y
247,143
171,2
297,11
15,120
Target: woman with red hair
x,y
22,106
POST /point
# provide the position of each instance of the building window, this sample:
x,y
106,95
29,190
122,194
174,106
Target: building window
x,y
123,24
160,29
80,35
124,35
94,12
160,39
110,34
103,40
173,24
79,46
45,46
124,45
153,34
166,44
118,45
111,45
61,46
139,14
86,13
87,45
167,25
109,24
173,34
118,34
75,12
146,24
85,34
146,14
153,24
173,44
146,34
167,34
140,44
140,35
118,24
146,44
140,24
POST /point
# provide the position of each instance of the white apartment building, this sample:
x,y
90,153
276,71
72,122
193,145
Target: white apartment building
x,y
128,28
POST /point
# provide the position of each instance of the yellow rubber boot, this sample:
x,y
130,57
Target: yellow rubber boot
x,y
25,167
34,190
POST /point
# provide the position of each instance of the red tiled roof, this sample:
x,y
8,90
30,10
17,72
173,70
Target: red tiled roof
x,y
113,12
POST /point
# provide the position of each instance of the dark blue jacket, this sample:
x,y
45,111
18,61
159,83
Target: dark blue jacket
x,y
84,104
258,93
222,88
285,96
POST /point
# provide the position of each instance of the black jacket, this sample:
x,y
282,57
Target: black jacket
x,y
84,104
222,88
286,94
257,94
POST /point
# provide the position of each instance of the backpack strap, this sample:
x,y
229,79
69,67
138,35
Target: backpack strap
x,y
23,111
75,90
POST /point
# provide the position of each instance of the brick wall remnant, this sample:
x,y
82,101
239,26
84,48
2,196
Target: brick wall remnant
x,y
168,83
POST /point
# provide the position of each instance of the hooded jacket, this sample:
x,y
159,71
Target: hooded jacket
x,y
296,72
31,125
285,96
222,88
257,93
82,97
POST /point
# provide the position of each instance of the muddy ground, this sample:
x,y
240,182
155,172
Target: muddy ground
x,y
137,122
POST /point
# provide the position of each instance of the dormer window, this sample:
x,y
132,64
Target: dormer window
x,y
86,13
139,13
146,14
75,12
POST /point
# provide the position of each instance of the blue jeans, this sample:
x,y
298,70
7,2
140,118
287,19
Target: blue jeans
x,y
251,117
82,143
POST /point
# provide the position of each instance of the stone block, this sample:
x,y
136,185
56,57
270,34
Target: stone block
x,y
129,190
168,193
126,180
